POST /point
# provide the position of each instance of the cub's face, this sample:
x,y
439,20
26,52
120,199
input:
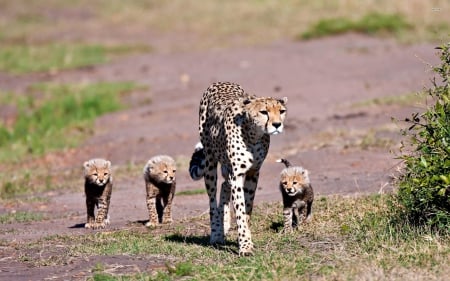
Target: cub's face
x,y
267,113
294,180
163,172
97,171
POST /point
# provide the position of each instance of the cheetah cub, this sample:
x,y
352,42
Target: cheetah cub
x,y
97,187
159,175
297,194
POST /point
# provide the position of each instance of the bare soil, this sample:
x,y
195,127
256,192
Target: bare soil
x,y
346,147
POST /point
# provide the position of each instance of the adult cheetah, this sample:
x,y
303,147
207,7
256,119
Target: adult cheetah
x,y
235,130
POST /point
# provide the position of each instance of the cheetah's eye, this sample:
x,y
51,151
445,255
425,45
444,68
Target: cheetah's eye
x,y
105,174
95,174
285,183
294,182
165,172
174,171
282,111
264,112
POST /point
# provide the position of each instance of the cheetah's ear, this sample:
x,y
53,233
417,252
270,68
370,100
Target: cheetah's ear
x,y
246,101
149,165
305,173
86,165
108,164
283,100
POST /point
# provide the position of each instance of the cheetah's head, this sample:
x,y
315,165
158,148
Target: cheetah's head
x,y
161,169
294,180
267,113
97,171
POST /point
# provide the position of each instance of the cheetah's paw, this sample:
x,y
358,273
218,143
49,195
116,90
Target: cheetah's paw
x,y
246,250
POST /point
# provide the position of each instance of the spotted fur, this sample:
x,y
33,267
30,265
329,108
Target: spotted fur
x,y
197,163
160,184
297,194
235,131
98,188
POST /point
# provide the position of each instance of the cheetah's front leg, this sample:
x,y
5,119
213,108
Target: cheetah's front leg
x,y
90,207
308,212
102,219
287,215
151,205
167,212
251,182
244,234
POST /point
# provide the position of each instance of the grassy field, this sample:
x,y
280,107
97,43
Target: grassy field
x,y
50,117
350,238
409,99
52,35
20,217
55,116
213,24
371,24
19,59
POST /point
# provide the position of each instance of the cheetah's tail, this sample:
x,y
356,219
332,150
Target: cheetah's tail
x,y
197,163
285,162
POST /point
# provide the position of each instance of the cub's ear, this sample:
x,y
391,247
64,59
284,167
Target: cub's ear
x,y
149,165
86,165
283,100
305,173
108,164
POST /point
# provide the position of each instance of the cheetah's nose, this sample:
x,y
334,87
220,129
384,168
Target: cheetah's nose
x,y
276,125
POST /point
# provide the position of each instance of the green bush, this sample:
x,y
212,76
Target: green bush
x,y
424,185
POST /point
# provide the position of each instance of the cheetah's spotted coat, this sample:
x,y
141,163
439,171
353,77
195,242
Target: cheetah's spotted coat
x,y
235,131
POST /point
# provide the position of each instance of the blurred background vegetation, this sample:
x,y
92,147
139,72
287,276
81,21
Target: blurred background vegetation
x,y
51,35
213,24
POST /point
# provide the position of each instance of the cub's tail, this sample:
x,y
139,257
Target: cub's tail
x,y
197,163
285,162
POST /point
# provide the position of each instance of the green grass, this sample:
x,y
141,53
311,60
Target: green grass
x,y
402,100
50,117
20,217
20,181
23,59
371,24
350,238
192,192
19,59
53,116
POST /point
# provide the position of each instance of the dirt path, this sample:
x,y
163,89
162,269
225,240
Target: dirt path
x,y
345,147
